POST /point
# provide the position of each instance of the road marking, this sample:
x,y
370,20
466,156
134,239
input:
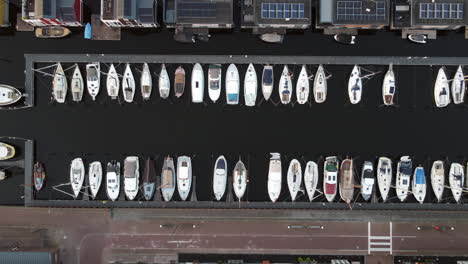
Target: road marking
x,y
379,243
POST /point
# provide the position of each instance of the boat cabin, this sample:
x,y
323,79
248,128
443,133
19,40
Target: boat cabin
x,y
41,13
129,13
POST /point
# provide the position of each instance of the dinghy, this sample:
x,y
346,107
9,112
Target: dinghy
x,y
355,85
419,184
458,86
456,180
39,176
93,79
77,85
367,180
95,178
294,178
59,85
403,177
320,85
441,89
388,86
311,179
384,176
438,179
330,177
164,83
112,83
184,176
128,84
179,82
146,82
7,151
274,177
267,81
77,174
220,177
198,84
347,180
214,81
9,95
168,179
239,179
232,85
250,86
302,86
285,86
113,180
131,177
149,180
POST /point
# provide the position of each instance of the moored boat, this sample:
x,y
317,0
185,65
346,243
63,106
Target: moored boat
x,y
419,184
93,79
113,180
267,81
320,85
146,82
198,84
9,95
77,85
311,179
59,84
438,179
179,81
95,178
384,177
302,86
294,178
232,85
220,177
184,176
149,179
131,177
403,177
274,177
77,174
112,82
214,81
250,86
52,32
239,179
39,176
347,180
367,180
7,151
168,179
330,177
456,180
389,86
285,86
355,85
128,84
441,89
458,86
164,83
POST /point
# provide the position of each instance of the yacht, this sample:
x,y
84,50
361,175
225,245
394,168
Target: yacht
x,y
179,82
285,86
250,86
198,84
302,86
113,180
113,82
240,179
7,151
220,177
164,83
146,82
441,89
367,180
311,179
458,86
456,180
149,180
438,179
384,177
95,178
388,86
347,180
403,177
330,177
131,177
355,85
232,85
77,85
320,85
93,79
274,177
419,184
294,178
77,175
214,81
128,84
184,176
267,81
59,84
168,179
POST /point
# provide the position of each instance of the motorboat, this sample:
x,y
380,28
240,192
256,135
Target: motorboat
x,y
149,180
367,180
458,86
128,84
438,179
418,38
113,180
272,37
389,86
131,177
419,184
198,84
93,79
95,178
456,180
240,179
59,84
9,95
274,177
302,86
311,179
39,176
77,174
146,82
250,86
330,177
164,83
88,31
347,180
220,177
168,179
285,86
355,85
403,177
7,151
232,85
184,176
267,81
294,178
112,83
441,89
345,39
52,32
320,85
384,177
179,81
77,85
214,81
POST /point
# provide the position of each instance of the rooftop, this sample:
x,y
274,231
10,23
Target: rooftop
x,y
354,12
199,11
438,12
143,11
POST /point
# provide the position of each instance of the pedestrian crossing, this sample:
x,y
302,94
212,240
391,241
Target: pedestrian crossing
x,y
379,244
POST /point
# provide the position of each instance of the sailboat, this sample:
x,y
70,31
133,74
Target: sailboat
x,y
112,83
131,177
184,176
355,85
388,86
311,179
149,180
302,86
168,179
320,85
438,179
198,84
274,177
267,81
456,180
77,174
93,79
95,178
403,177
419,184
441,89
367,180
214,81
285,86
458,86
164,83
330,177
146,82
59,84
220,177
239,179
232,85
77,85
250,86
9,95
347,180
179,81
384,176
113,180
128,84
294,178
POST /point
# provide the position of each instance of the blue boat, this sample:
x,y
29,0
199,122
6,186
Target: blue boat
x,y
88,34
419,184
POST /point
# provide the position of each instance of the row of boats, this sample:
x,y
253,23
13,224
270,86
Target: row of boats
x,y
442,88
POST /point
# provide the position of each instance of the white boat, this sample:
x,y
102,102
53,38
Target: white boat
x,y
113,180
458,86
112,82
330,177
168,179
77,85
367,180
389,86
128,84
441,89
146,82
294,178
250,86
240,179
198,84
274,177
59,84
131,177
95,178
419,184
184,176
355,85
77,175
267,81
214,81
285,86
438,179
311,179
93,79
9,95
302,86
403,177
164,83
232,85
456,180
320,85
220,177
384,176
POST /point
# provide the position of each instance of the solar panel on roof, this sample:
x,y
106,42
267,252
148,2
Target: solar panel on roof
x,y
283,10
441,11
356,10
196,9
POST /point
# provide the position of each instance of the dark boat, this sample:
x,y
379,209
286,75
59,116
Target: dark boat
x,y
39,176
149,179
52,32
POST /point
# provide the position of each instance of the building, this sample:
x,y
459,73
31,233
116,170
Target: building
x,y
53,12
129,13
42,256
4,13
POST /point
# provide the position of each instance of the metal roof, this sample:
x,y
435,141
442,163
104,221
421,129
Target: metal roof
x,y
21,257
203,12
438,12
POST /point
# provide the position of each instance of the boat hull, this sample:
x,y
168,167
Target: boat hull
x,y
168,179
9,95
294,178
146,82
441,89
220,178
198,84
239,180
250,86
355,85
274,177
128,85
267,82
95,178
184,176
232,85
384,177
93,79
389,87
285,86
320,85
164,83
302,86
438,179
77,174
77,85
311,179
